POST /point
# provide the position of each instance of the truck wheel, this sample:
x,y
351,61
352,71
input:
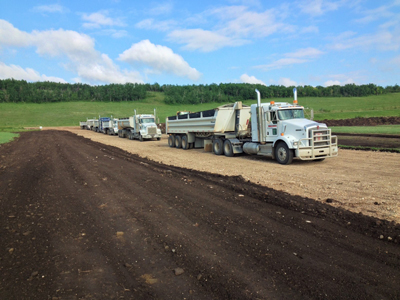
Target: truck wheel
x,y
185,144
140,137
283,154
178,141
228,149
171,141
158,138
218,147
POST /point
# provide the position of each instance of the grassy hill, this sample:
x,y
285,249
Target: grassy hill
x,y
15,116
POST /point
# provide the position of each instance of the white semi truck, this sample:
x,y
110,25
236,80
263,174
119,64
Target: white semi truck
x,y
92,124
275,129
111,126
139,126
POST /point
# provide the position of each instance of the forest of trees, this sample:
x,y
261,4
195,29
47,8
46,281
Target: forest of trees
x,y
15,91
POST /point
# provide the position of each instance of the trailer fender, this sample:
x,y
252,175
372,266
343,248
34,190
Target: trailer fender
x,y
237,146
191,137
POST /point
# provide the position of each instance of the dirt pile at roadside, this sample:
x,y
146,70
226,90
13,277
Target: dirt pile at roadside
x,y
373,121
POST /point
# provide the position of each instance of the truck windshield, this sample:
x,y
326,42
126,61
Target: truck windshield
x,y
288,114
147,120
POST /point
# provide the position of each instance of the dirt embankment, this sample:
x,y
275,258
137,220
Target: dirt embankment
x,y
81,219
373,121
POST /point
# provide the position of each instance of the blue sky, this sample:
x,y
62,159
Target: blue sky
x,y
303,42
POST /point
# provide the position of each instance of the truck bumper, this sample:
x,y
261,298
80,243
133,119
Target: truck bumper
x,y
316,153
151,136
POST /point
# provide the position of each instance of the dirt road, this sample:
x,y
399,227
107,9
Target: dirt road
x,y
360,181
80,219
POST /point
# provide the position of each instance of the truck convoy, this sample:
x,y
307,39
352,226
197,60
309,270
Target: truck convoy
x,y
275,129
139,127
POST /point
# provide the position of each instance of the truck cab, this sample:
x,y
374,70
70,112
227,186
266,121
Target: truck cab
x,y
146,126
283,132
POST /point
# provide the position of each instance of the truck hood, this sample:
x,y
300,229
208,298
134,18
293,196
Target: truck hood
x,y
301,123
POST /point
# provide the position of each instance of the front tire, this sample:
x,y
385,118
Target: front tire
x,y
218,147
283,154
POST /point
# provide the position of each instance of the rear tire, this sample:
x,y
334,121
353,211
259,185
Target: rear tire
x,y
171,141
228,148
185,144
283,154
178,141
218,147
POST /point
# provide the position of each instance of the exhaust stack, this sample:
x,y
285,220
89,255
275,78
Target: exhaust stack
x,y
295,96
259,118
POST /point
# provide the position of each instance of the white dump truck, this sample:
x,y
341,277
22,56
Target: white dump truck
x,y
83,125
92,124
275,129
139,126
111,126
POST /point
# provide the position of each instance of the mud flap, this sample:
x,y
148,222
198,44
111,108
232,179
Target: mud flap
x,y
237,146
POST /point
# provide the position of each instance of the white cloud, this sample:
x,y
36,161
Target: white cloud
x,y
382,12
280,63
99,19
83,59
287,82
299,57
306,52
234,26
19,73
309,29
239,22
332,82
203,40
161,9
384,40
319,7
160,59
156,25
51,8
251,79
339,79
117,34
11,36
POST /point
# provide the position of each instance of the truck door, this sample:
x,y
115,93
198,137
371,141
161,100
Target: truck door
x,y
272,128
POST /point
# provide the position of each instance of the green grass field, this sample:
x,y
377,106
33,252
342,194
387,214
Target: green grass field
x,y
14,117
382,129
6,137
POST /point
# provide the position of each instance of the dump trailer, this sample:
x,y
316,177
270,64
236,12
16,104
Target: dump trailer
x,y
139,126
92,124
83,125
275,129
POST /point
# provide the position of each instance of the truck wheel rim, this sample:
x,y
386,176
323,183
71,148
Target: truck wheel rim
x,y
282,154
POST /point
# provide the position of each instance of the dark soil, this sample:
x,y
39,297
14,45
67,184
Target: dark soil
x,y
79,219
374,121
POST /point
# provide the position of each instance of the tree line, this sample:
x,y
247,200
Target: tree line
x,y
16,91
195,94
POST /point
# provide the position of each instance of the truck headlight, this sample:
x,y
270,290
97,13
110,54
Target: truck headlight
x,y
295,144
